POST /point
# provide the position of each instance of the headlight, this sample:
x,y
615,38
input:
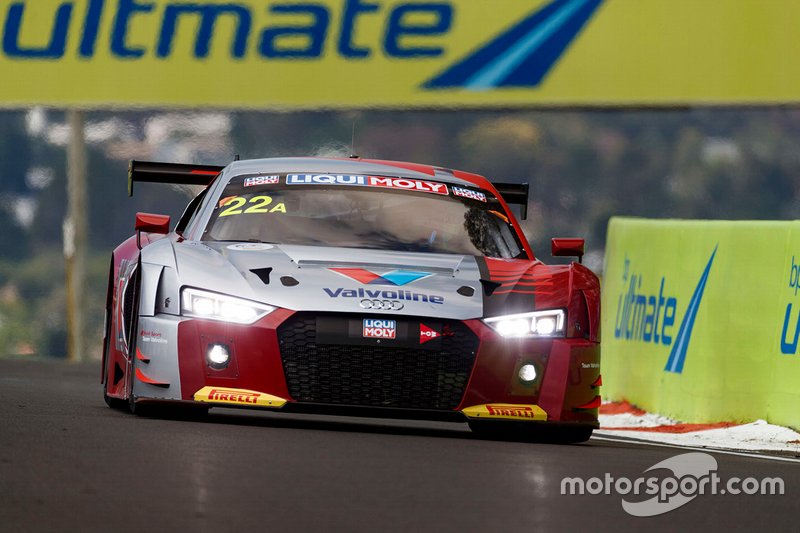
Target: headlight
x,y
537,324
203,304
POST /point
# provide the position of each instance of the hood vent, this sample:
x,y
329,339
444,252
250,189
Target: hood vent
x,y
466,290
263,274
289,281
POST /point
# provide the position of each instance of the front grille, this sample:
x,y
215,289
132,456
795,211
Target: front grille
x,y
376,376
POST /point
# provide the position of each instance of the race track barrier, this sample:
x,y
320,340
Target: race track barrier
x,y
701,319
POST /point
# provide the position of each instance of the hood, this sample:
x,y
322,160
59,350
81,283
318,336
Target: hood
x,y
327,279
312,278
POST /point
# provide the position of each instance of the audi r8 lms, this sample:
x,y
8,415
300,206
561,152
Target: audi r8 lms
x,y
352,287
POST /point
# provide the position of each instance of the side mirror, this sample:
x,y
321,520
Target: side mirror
x,y
568,248
150,223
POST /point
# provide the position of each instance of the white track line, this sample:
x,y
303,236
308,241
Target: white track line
x,y
700,449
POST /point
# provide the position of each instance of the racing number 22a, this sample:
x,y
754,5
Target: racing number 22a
x,y
260,204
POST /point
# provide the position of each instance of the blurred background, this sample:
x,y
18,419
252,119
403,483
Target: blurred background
x,y
582,166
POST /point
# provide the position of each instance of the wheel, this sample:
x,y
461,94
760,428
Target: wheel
x,y
531,432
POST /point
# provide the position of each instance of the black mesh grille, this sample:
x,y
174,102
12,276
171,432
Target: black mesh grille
x,y
376,376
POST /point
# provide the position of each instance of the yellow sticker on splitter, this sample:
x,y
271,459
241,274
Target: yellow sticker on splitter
x,y
506,412
221,395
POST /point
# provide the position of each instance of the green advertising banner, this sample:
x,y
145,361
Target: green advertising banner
x,y
701,319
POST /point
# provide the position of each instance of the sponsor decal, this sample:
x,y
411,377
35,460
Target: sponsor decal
x,y
649,317
261,180
257,204
367,181
789,344
427,334
407,184
375,328
132,42
467,193
223,395
153,336
384,294
511,410
250,247
396,278
233,396
506,412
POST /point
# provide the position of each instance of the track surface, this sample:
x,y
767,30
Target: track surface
x,y
69,463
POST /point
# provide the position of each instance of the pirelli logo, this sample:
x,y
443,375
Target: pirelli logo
x,y
242,397
236,397
506,412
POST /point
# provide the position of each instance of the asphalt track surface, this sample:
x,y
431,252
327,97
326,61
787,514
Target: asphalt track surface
x,y
69,463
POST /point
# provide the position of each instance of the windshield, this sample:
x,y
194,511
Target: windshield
x,y
373,212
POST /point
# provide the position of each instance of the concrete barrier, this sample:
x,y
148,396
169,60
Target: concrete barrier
x,y
701,319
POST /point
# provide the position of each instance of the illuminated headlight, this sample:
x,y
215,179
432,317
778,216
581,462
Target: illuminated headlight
x,y
219,355
537,324
527,373
202,304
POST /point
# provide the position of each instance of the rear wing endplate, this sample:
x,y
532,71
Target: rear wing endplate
x,y
176,173
515,193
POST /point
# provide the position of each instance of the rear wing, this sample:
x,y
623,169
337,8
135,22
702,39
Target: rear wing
x,y
176,173
515,193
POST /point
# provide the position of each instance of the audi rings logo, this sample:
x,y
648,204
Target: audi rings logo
x,y
382,305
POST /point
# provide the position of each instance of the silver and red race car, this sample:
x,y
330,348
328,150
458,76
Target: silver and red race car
x,y
352,287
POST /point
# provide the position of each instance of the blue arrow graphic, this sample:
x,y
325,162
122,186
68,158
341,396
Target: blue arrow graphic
x,y
678,354
523,55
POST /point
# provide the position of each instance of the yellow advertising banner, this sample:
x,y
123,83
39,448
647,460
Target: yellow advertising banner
x,y
397,53
701,319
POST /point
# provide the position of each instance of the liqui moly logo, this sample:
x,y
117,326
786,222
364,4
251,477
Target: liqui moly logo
x,y
261,180
375,328
367,181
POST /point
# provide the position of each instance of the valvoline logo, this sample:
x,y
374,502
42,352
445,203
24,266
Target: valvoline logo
x,y
650,316
396,278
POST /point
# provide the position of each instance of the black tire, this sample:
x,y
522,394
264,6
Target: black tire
x,y
531,432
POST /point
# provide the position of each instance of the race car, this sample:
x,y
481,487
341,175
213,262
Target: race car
x,y
352,287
